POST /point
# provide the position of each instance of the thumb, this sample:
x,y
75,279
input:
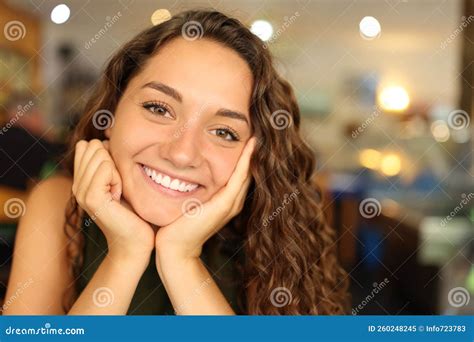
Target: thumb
x,y
115,183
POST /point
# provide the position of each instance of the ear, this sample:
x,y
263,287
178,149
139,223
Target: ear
x,y
107,132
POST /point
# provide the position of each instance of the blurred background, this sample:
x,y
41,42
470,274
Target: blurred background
x,y
386,93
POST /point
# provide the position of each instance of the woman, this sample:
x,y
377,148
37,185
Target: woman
x,y
189,152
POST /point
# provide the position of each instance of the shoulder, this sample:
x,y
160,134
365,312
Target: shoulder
x,y
47,203
40,241
51,191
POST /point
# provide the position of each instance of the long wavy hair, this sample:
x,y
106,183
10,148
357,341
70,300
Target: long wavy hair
x,y
290,264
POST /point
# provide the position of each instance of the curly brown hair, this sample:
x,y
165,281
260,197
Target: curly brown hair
x,y
289,248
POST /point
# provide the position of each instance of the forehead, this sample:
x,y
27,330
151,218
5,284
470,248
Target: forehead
x,y
201,70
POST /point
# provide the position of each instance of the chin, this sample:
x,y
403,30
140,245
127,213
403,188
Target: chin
x,y
159,216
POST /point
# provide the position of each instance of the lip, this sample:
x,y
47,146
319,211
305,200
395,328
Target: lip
x,y
162,189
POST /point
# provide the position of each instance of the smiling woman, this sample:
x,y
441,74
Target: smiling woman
x,y
184,120
181,156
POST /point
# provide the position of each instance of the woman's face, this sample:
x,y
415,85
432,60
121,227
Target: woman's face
x,y
180,127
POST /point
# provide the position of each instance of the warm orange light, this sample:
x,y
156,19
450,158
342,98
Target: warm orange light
x,y
391,164
394,99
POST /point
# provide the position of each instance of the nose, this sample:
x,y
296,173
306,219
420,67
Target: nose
x,y
183,148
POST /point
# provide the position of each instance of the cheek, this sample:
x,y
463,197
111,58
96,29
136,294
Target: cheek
x,y
222,166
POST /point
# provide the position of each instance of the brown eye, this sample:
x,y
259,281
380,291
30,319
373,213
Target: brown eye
x,y
225,134
157,109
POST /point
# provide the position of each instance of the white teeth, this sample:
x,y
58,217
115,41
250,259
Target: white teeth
x,y
158,178
191,187
174,184
167,182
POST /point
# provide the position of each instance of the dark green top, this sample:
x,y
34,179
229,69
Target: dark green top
x,y
150,298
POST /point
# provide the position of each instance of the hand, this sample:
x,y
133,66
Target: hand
x,y
97,187
185,237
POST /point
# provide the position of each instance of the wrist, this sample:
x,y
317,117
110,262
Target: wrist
x,y
168,250
175,261
129,258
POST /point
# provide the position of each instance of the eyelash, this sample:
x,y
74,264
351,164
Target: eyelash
x,y
151,104
148,105
234,135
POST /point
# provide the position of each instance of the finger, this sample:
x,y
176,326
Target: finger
x,y
225,197
105,178
80,148
98,157
241,170
241,197
93,145
115,189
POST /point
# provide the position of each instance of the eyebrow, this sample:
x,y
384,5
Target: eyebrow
x,y
165,89
232,114
178,97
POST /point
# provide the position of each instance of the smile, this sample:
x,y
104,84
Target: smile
x,y
169,182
